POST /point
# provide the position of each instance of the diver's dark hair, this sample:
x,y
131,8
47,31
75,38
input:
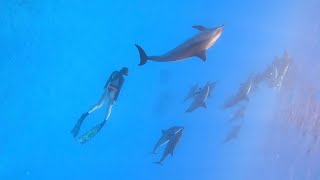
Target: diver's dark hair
x,y
124,70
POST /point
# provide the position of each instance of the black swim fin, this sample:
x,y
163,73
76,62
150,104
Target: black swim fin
x,y
91,133
143,55
77,127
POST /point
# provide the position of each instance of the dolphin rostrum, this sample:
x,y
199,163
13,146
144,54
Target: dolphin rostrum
x,y
166,136
195,46
170,146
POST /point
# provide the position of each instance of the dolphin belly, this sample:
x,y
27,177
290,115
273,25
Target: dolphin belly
x,y
212,40
188,49
178,54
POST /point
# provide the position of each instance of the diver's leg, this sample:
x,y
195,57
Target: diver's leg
x,y
77,126
100,102
92,132
110,104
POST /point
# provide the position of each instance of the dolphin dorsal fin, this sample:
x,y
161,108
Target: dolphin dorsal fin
x,y
163,131
199,27
202,55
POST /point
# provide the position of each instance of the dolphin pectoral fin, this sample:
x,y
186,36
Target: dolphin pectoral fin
x,y
200,28
202,55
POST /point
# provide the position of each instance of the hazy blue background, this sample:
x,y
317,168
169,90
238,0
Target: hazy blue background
x,y
55,57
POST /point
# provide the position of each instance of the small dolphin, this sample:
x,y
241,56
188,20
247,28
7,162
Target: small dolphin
x,y
233,134
212,86
196,46
166,136
286,62
238,114
170,146
200,99
276,72
195,90
243,94
192,91
273,77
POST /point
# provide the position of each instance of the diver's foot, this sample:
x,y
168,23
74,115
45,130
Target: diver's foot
x,y
77,127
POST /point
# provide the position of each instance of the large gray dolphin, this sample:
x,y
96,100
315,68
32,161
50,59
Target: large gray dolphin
x,y
170,146
200,98
195,46
166,136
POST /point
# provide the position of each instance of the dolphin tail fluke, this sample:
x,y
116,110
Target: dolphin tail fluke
x,y
143,55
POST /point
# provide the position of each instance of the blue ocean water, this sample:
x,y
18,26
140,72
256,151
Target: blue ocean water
x,y
55,57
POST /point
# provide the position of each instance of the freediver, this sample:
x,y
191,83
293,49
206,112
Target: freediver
x,y
112,89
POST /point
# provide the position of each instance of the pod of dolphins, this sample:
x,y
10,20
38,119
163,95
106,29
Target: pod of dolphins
x,y
197,46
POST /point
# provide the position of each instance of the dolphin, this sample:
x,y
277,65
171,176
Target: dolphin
x,y
192,90
243,94
195,46
212,86
195,89
166,136
238,114
170,146
233,134
277,71
286,62
200,99
274,76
